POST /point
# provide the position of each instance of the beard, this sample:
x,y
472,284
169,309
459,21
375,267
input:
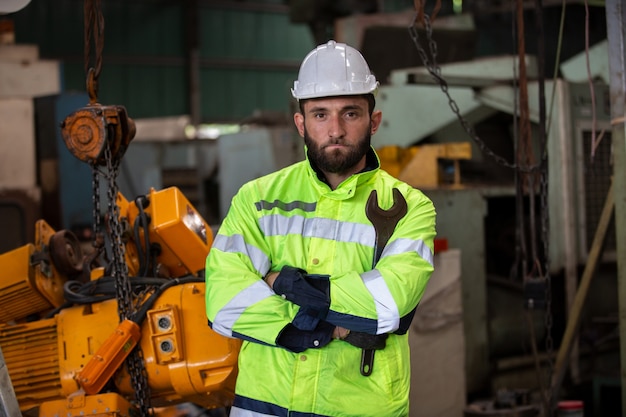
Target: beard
x,y
337,161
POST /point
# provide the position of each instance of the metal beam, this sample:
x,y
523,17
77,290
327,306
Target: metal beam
x,y
615,18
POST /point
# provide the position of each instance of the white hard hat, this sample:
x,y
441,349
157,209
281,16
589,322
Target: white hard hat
x,y
333,69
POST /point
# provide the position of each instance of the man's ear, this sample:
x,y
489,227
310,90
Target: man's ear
x,y
377,117
298,119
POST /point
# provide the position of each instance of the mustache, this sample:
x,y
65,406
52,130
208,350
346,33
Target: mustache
x,y
335,141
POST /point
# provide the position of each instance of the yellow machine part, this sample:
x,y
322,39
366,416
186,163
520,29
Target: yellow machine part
x,y
394,158
185,360
109,357
32,358
185,238
19,296
132,259
102,405
419,165
49,279
29,282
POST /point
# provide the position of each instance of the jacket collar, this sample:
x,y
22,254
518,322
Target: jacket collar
x,y
345,189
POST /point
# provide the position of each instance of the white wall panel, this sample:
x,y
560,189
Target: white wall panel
x,y
17,143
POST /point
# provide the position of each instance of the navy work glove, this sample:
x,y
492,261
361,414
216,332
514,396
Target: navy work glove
x,y
297,340
304,320
310,292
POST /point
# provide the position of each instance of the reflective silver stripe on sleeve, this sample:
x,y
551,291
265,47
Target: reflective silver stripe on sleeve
x,y
401,245
228,315
386,308
347,232
237,244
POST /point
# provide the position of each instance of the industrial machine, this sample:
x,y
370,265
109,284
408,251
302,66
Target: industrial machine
x,y
119,330
118,327
60,332
480,217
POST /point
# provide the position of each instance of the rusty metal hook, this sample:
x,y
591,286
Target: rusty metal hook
x,y
92,86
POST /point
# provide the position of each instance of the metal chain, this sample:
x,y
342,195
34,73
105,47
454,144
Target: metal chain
x,y
94,28
544,201
435,72
95,191
139,379
120,269
93,17
134,362
136,368
548,319
541,166
123,289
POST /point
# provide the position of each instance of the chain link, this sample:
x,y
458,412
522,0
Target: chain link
x,y
541,167
94,28
548,319
119,270
95,195
139,379
123,289
435,72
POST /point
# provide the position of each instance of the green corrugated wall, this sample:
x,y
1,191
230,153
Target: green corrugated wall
x,y
248,56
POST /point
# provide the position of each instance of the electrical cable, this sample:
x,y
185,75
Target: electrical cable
x,y
103,289
145,222
141,313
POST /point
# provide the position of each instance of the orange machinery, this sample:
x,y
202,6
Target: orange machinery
x,y
66,358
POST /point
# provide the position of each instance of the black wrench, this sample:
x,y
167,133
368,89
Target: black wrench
x,y
384,222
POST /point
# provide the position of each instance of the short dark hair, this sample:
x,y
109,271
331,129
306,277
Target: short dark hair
x,y
371,102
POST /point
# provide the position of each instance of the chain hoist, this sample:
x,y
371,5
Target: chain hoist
x,y
542,286
99,135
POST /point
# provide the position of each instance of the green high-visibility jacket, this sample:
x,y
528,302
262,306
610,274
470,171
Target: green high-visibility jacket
x,y
293,218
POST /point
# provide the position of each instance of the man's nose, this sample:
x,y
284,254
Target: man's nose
x,y
335,127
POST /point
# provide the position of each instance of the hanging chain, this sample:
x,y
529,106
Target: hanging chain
x,y
94,28
544,202
123,290
94,17
98,241
541,167
120,269
548,319
91,17
435,71
139,379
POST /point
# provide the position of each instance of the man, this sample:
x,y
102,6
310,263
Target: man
x,y
293,269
